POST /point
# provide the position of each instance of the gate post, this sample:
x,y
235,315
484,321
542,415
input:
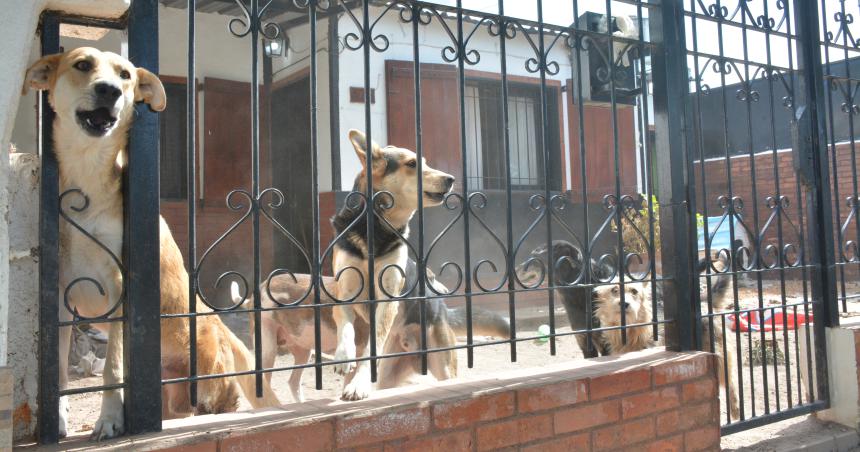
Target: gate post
x,y
48,420
671,86
141,247
811,165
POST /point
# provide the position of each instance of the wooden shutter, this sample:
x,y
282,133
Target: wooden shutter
x,y
227,143
599,149
440,112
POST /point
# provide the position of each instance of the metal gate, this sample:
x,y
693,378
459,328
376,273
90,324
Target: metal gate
x,y
731,108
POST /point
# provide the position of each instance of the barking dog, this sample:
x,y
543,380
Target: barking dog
x,y
292,330
575,298
394,170
93,94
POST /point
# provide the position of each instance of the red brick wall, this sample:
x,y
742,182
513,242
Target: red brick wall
x,y
655,400
742,186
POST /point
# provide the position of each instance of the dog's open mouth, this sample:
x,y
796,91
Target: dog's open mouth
x,y
435,196
96,122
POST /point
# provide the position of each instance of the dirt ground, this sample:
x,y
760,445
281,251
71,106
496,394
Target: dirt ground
x,y
767,387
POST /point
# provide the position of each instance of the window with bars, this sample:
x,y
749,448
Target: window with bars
x,y
485,129
174,162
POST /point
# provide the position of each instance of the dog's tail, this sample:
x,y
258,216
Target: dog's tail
x,y
244,361
721,284
484,322
234,292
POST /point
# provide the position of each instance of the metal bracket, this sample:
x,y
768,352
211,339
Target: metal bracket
x,y
802,149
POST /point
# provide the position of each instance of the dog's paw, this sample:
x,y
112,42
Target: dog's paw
x,y
111,421
344,352
64,416
358,389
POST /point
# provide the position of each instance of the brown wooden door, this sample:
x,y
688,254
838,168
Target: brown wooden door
x,y
227,143
440,113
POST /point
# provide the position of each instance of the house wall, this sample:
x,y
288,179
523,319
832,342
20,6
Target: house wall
x,y
431,39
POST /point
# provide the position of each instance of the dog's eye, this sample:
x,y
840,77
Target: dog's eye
x,y
125,75
412,163
634,291
615,290
83,66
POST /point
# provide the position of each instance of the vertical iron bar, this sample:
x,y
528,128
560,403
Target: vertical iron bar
x,y
467,251
619,207
419,150
780,240
191,154
334,93
830,114
583,175
542,62
733,260
669,67
820,223
371,208
506,144
141,254
757,238
316,274
49,266
255,190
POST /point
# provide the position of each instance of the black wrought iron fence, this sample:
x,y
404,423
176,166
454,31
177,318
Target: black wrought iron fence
x,y
654,131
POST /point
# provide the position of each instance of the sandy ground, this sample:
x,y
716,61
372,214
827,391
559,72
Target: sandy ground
x,y
784,386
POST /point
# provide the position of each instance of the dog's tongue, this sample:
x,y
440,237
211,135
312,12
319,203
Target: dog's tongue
x,y
101,117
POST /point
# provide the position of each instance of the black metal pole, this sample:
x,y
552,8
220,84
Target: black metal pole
x,y
669,66
49,267
141,253
333,92
813,156
191,155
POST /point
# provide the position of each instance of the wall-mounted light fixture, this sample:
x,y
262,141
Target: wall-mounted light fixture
x,y
278,47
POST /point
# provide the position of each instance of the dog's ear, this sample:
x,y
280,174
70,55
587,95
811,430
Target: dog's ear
x,y
359,142
150,90
41,74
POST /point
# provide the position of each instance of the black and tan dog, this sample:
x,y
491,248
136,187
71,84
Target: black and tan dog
x,y
395,171
291,331
574,298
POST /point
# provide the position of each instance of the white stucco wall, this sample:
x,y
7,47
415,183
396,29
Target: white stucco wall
x,y
17,32
24,291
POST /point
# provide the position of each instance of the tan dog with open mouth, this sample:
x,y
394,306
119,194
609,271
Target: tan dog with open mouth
x,y
394,170
93,94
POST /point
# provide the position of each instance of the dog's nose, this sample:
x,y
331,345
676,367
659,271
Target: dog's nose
x,y
107,92
449,181
625,305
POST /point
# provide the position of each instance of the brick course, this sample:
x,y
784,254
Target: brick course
x,y
661,401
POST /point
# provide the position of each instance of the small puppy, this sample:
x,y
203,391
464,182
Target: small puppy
x,y
291,331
